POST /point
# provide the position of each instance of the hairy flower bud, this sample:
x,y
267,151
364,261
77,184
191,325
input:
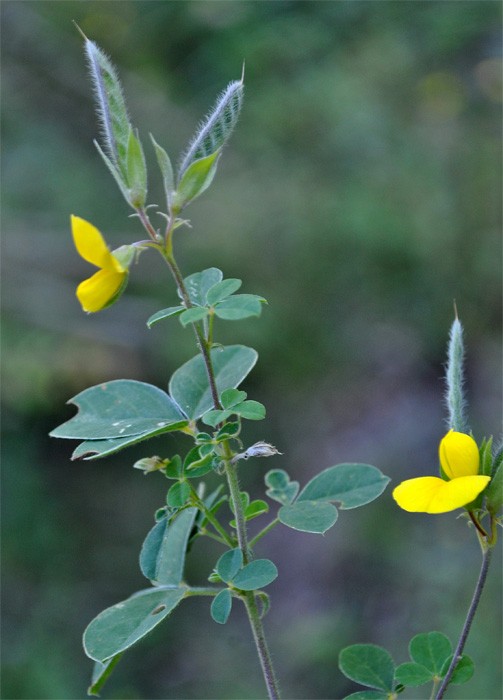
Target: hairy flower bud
x,y
260,449
217,126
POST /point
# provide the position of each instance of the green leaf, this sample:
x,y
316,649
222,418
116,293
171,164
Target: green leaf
x,y
486,458
214,417
221,606
174,468
256,508
222,290
119,409
494,492
198,284
367,695
166,171
196,179
265,603
253,510
281,489
189,385
251,410
369,665
151,548
95,449
309,516
255,575
195,464
498,461
196,313
462,673
101,672
229,564
239,306
231,397
136,168
352,485
119,627
162,556
229,430
430,650
203,437
165,313
178,494
413,674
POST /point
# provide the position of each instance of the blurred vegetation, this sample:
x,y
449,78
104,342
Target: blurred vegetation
x,y
361,194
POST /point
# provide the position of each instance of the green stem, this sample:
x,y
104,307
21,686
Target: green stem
x,y
210,329
232,480
203,532
468,622
203,345
261,644
209,515
434,690
201,590
263,532
143,216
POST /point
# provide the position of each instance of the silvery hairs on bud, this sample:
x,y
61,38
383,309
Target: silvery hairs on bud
x,y
110,105
260,449
454,394
216,127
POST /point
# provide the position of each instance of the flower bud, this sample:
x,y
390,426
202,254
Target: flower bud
x,y
260,449
150,464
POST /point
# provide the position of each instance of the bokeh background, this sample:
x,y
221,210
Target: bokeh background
x,y
361,195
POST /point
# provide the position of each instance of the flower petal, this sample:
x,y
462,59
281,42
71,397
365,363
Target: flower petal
x,y
95,292
429,494
91,245
459,455
416,495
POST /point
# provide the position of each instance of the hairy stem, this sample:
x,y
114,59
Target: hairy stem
x,y
468,622
261,644
202,590
203,345
232,480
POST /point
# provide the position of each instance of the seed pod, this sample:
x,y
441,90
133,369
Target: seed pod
x,y
216,128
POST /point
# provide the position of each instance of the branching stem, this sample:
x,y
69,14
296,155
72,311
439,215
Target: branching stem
x,y
209,515
230,471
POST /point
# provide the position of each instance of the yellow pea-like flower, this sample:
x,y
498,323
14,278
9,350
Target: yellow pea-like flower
x,y
459,457
104,286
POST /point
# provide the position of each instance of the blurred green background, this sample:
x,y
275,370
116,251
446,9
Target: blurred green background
x,y
361,195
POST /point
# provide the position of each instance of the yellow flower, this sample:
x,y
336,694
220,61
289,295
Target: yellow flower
x,y
103,288
459,458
